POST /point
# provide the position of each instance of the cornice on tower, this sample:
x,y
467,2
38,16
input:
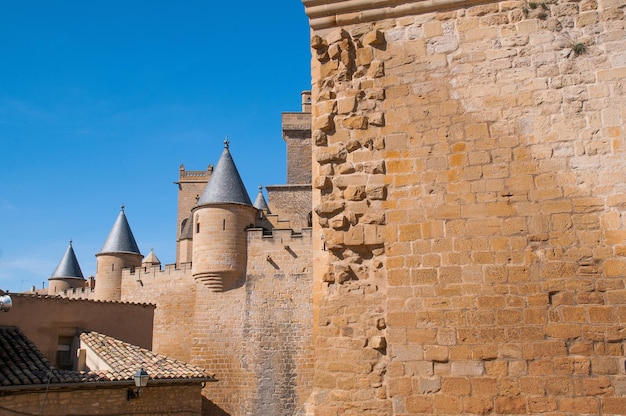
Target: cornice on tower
x,y
325,14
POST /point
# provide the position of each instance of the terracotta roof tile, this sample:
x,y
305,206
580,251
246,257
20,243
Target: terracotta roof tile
x,y
125,359
21,363
44,295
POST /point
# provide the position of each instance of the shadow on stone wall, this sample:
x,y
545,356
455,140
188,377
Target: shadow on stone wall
x,y
211,409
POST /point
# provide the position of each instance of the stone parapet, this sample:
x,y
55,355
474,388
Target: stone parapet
x,y
296,122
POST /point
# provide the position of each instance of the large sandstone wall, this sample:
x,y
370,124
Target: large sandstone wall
x,y
257,337
470,176
173,291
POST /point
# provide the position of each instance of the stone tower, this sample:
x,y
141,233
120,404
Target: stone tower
x,y
190,184
296,128
119,252
67,275
220,219
293,199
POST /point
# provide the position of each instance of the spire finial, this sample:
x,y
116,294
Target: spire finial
x,y
70,241
226,142
260,188
122,207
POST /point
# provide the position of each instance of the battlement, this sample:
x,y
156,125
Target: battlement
x,y
282,234
295,122
77,293
167,269
194,175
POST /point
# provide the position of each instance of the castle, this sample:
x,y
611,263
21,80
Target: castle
x,y
467,253
238,299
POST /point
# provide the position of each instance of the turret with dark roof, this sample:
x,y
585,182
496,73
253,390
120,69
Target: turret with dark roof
x,y
120,239
225,185
220,220
260,203
67,275
119,252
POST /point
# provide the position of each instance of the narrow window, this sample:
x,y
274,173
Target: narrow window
x,y
223,225
63,356
113,267
197,227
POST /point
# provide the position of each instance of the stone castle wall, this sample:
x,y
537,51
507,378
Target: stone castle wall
x,y
173,290
258,337
297,136
292,202
469,175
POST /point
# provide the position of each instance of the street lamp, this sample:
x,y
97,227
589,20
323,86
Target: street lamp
x,y
141,380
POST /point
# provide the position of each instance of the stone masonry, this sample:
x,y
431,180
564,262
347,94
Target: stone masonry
x,y
469,174
255,332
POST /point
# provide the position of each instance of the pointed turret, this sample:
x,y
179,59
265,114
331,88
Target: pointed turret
x,y
67,275
259,202
120,239
151,260
225,185
118,252
220,220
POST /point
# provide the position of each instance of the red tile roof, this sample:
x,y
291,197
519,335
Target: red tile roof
x,y
22,364
125,359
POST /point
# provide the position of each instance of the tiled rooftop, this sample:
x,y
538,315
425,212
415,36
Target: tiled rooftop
x,y
44,295
22,364
125,359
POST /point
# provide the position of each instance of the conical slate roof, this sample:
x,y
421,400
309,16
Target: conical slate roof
x,y
120,239
225,185
259,202
68,266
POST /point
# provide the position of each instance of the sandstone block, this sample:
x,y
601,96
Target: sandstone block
x,y
467,368
373,38
376,69
346,105
355,122
419,404
457,386
325,122
447,404
478,405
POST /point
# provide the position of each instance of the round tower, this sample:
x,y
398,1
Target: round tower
x,y
67,275
220,219
119,252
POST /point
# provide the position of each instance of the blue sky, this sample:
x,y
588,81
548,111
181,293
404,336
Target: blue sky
x,y
102,101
